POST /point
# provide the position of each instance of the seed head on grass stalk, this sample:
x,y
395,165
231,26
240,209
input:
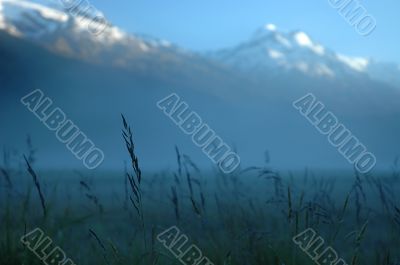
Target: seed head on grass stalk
x,y
7,177
179,160
37,185
100,243
175,202
128,137
115,252
396,217
191,195
340,219
91,196
190,162
134,182
358,240
290,210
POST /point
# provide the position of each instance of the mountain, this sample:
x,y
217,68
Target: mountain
x,y
274,51
47,23
37,19
68,33
244,93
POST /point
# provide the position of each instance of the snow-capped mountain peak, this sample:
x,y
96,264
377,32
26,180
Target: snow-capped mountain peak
x,y
41,18
270,49
273,51
68,31
303,40
51,24
299,39
270,27
29,18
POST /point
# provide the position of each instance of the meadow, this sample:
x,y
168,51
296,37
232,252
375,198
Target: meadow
x,y
247,217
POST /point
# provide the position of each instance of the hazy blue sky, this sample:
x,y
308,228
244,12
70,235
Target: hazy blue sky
x,y
211,24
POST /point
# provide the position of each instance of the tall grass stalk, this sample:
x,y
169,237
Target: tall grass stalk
x,y
134,182
37,185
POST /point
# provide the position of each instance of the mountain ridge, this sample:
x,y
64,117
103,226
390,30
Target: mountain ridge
x,y
271,50
267,50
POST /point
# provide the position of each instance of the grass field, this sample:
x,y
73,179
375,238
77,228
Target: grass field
x,y
247,217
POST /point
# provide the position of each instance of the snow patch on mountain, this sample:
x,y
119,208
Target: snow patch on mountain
x,y
45,12
302,39
359,64
270,27
274,54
